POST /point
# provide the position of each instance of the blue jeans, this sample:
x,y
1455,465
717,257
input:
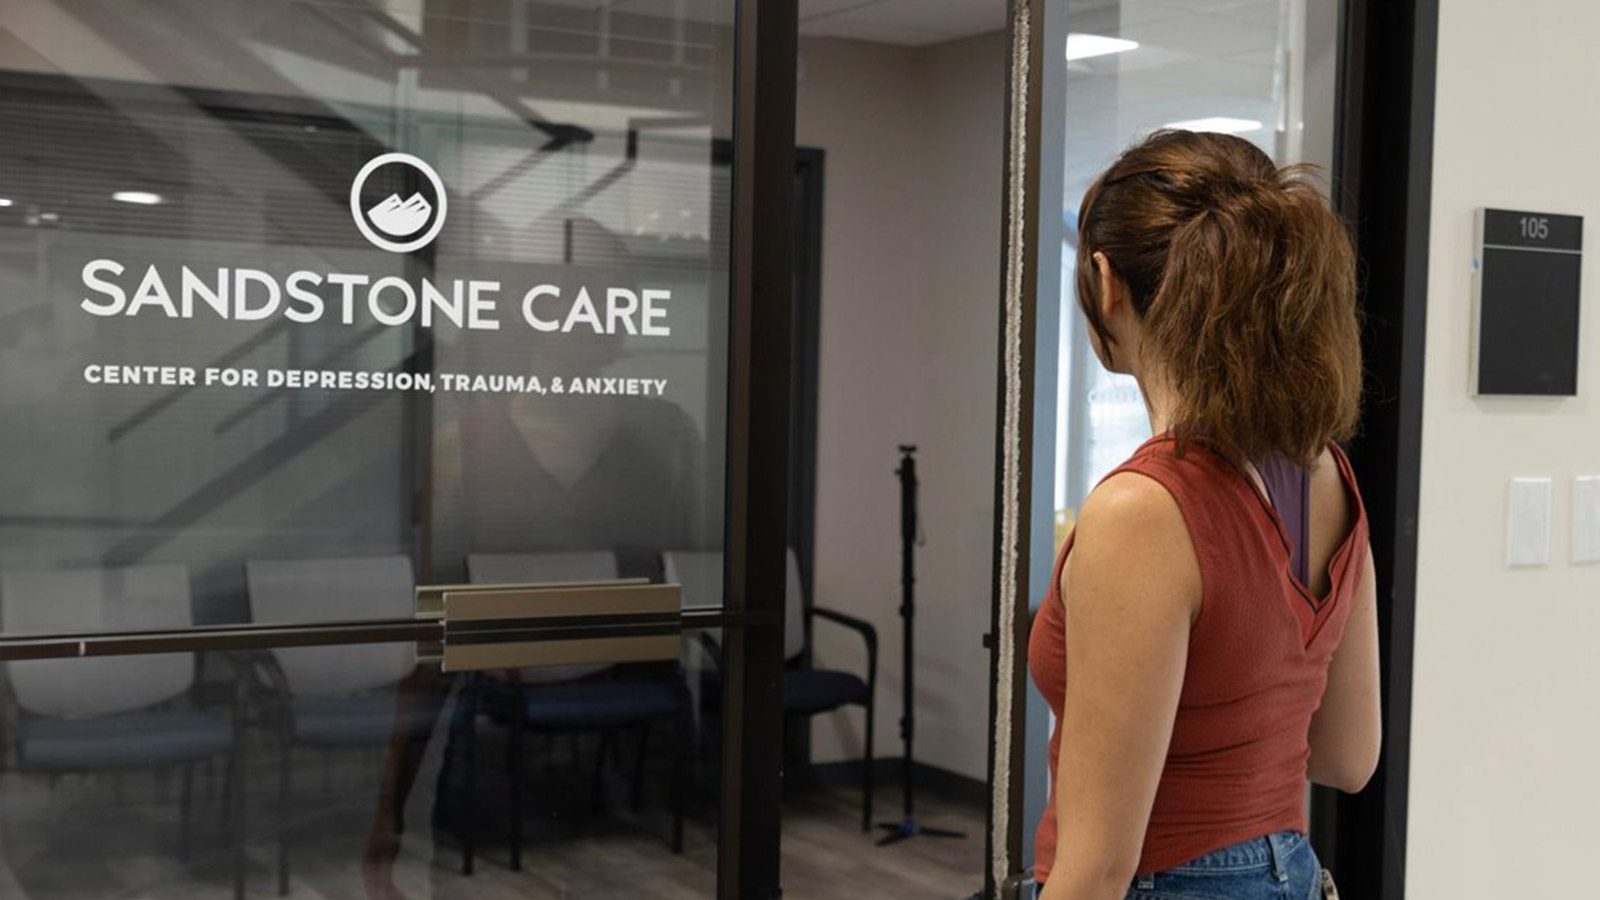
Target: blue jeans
x,y
1279,866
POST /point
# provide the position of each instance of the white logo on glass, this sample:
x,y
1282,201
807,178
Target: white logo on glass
x,y
397,223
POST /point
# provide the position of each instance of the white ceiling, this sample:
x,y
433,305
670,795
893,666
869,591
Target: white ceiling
x,y
909,22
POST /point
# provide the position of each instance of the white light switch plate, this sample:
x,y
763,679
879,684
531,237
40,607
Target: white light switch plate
x,y
1528,523
1586,519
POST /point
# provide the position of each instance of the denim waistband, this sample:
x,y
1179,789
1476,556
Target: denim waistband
x,y
1269,852
1251,854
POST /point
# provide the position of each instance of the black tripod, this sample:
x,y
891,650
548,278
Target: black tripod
x,y
909,827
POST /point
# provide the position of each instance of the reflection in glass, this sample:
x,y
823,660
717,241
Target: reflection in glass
x,y
242,384
1261,69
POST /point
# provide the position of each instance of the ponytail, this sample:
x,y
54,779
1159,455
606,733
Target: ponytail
x,y
1244,282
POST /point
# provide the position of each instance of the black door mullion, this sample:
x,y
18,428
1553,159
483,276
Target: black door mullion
x,y
758,446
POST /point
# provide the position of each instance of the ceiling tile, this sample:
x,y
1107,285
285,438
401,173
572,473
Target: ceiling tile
x,y
911,22
814,9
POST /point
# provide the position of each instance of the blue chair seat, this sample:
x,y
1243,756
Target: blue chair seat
x,y
150,739
807,691
359,719
602,704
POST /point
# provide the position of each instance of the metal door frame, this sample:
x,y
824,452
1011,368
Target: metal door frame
x,y
1382,182
758,447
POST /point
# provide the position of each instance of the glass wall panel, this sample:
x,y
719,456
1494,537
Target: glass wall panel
x,y
304,304
357,777
1264,70
209,360
1261,69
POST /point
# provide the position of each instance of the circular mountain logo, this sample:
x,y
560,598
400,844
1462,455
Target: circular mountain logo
x,y
398,202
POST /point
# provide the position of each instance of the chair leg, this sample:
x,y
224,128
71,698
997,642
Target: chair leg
x,y
684,733
283,814
468,809
185,809
868,767
514,773
638,766
597,790
234,792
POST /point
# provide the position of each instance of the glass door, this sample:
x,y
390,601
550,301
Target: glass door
x,y
368,411
1089,78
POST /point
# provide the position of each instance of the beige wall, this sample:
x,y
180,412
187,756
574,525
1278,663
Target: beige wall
x,y
1504,781
911,255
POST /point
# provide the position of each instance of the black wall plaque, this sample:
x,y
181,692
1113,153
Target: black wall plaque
x,y
1529,268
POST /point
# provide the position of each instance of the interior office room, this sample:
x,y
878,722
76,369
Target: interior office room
x,y
490,448
200,141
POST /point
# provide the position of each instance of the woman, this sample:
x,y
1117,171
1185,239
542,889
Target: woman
x,y
1215,600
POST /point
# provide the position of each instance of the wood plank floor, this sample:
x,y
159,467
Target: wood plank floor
x,y
94,840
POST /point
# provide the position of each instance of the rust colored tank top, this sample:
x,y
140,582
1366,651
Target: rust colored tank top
x,y
1258,662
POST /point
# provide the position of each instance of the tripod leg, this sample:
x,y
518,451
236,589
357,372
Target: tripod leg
x,y
895,836
868,763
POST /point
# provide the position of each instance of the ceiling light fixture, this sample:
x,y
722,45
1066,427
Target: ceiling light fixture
x,y
1087,46
1222,124
5,202
138,198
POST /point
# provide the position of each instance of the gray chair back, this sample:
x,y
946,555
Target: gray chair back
x,y
138,598
335,590
699,572
794,609
541,568
536,568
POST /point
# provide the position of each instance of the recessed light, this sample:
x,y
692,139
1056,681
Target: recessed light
x,y
139,198
5,202
1222,124
1087,46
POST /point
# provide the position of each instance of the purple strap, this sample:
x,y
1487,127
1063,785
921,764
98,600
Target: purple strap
x,y
1289,490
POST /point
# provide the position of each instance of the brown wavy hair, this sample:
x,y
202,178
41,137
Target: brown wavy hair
x,y
1244,282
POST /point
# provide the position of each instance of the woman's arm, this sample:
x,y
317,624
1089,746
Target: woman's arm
x,y
1131,588
1347,730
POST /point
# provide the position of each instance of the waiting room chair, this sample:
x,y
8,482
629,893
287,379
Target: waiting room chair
x,y
807,691
574,699
108,714
341,696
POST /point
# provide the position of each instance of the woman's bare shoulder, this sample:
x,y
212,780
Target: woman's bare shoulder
x,y
1329,496
1131,530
